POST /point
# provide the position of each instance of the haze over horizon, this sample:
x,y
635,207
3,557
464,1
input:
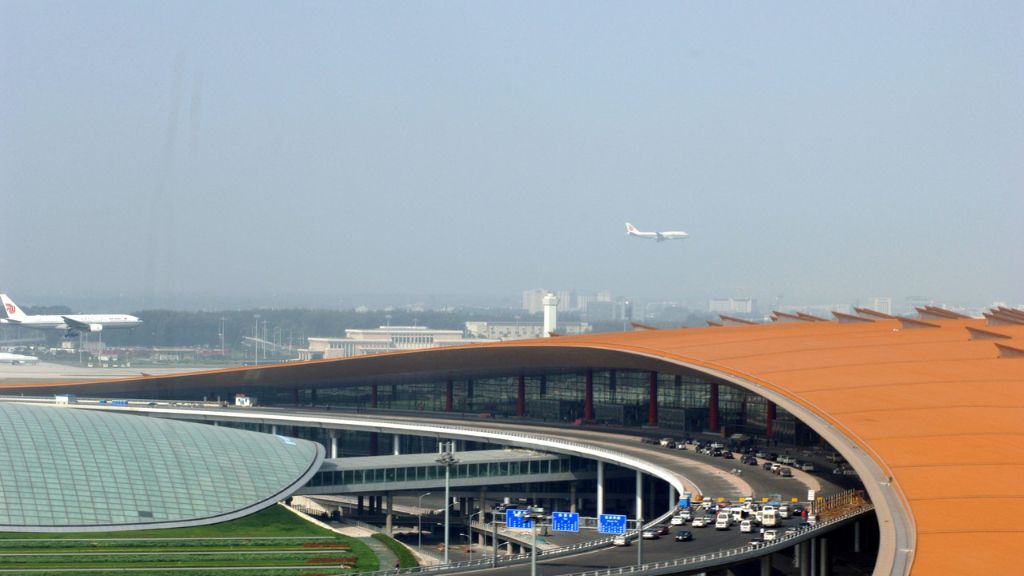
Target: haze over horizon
x,y
181,154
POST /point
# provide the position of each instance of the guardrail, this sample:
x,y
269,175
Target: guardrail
x,y
695,562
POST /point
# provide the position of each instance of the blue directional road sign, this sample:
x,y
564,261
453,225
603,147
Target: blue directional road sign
x,y
611,524
514,519
565,521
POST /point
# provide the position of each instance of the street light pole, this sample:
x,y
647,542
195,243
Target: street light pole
x,y
447,459
639,541
419,519
533,551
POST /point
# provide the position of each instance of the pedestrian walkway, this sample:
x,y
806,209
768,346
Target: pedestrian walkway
x,y
384,554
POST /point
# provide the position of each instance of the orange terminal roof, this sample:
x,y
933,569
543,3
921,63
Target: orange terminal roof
x,y
936,406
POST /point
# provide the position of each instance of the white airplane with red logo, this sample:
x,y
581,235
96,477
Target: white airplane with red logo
x,y
659,236
72,324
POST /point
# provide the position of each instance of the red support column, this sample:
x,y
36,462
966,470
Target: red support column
x,y
713,408
449,401
769,418
652,405
588,397
373,395
521,396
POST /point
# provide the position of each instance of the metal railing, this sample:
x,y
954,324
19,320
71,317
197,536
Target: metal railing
x,y
697,561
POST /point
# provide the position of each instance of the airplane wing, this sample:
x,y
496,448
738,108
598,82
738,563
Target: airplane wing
x,y
76,324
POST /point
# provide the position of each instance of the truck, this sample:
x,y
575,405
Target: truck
x,y
245,401
65,399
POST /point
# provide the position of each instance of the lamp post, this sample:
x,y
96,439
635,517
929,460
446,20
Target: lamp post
x,y
640,541
419,519
469,528
534,518
447,459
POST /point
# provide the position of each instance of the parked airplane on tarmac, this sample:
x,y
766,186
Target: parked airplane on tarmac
x,y
72,324
15,359
659,236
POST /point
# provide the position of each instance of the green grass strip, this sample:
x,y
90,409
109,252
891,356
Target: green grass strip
x,y
405,557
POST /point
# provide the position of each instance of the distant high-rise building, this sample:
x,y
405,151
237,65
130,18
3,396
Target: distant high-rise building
x,y
533,300
732,305
881,304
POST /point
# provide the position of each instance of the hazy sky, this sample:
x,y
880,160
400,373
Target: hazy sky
x,y
189,151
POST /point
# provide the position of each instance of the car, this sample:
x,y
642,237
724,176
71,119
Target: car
x,y
620,540
767,466
649,534
756,541
677,520
684,536
770,535
728,455
667,441
790,532
746,526
807,467
722,523
661,529
796,509
761,454
686,514
785,472
680,445
699,522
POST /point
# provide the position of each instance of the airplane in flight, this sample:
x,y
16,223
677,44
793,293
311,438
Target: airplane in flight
x,y
72,324
659,236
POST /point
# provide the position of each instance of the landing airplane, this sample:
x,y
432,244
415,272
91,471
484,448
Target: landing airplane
x,y
16,359
72,324
659,236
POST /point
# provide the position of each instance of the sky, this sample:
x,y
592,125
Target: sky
x,y
196,153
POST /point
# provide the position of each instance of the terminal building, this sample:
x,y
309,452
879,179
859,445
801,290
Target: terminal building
x,y
905,400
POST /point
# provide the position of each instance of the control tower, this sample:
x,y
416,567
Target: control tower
x,y
550,314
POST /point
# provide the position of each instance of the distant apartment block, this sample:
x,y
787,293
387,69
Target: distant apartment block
x,y
881,304
607,311
360,342
521,330
533,300
732,305
568,300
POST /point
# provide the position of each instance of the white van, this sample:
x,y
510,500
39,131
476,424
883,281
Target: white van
x,y
769,518
746,526
784,511
722,523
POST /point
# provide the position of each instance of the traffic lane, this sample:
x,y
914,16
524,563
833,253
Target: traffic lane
x,y
705,540
716,483
762,482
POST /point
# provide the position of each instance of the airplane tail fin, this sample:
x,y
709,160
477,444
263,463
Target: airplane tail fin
x,y
630,229
10,308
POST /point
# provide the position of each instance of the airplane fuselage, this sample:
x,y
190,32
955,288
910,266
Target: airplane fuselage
x,y
55,322
658,236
